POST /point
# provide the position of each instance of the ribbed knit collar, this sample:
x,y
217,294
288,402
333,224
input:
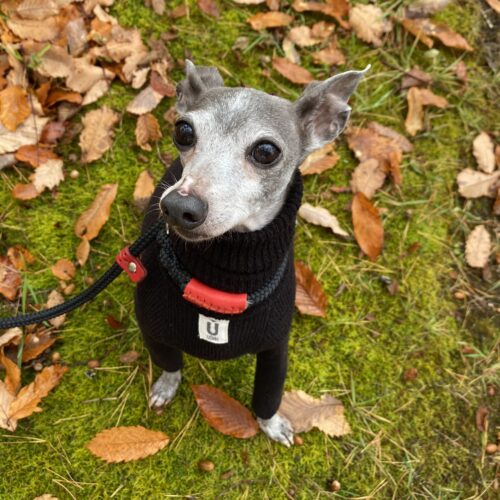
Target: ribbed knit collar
x,y
243,262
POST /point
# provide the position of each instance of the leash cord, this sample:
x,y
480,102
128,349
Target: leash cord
x,y
109,276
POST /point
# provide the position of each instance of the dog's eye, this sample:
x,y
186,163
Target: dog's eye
x,y
183,134
265,153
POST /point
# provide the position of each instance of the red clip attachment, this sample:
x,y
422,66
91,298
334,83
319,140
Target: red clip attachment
x,y
214,300
131,265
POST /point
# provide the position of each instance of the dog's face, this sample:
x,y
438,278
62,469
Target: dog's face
x,y
239,148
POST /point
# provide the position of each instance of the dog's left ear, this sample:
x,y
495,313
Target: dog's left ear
x,y
322,110
198,80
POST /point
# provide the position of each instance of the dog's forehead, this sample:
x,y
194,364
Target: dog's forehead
x,y
242,108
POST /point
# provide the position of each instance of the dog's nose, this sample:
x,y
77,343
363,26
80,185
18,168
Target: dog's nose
x,y
187,211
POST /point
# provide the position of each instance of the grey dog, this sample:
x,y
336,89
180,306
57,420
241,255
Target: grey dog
x,y
229,205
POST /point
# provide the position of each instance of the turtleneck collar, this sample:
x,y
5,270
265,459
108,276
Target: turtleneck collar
x,y
241,262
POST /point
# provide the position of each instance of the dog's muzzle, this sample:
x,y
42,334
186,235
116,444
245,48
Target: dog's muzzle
x,y
186,211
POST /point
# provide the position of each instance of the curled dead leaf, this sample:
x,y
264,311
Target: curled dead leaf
x,y
64,269
484,152
320,216
310,299
367,223
55,299
478,247
36,343
418,98
14,107
145,101
10,278
264,20
147,130
474,184
144,188
320,160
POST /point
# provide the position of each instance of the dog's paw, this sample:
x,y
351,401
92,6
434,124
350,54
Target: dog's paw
x,y
164,389
277,428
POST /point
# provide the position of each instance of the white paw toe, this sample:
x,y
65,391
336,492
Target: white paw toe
x,y
277,428
164,389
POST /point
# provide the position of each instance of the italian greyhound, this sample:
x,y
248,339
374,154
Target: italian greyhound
x,y
224,283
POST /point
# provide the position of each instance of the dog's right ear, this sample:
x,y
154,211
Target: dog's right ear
x,y
198,80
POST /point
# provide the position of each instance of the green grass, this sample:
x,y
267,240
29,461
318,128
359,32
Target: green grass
x,y
410,439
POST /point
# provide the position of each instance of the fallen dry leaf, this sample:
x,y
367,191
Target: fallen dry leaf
x,y
11,336
320,160
44,30
145,101
322,30
415,77
249,2
224,413
55,62
35,344
85,75
52,132
129,357
27,133
13,374
123,444
320,216
310,298
403,143
144,187
302,36
90,223
10,278
369,23
423,7
425,29
97,135
14,107
418,98
484,152
209,7
64,269
461,72
95,92
37,9
48,175
35,155
495,5
83,252
55,299
305,412
24,192
367,223
338,9
264,20
368,177
29,397
478,247
474,184
59,95
147,130
291,71
290,51
330,55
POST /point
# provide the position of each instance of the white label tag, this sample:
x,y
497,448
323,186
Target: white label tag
x,y
213,330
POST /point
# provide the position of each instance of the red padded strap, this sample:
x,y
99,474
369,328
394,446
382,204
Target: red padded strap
x,y
214,300
131,265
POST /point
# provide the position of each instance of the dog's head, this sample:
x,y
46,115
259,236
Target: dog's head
x,y
239,148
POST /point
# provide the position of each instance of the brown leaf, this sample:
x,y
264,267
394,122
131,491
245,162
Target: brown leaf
x,y
249,2
291,71
322,30
224,413
369,23
10,278
55,299
264,20
474,184
144,188
36,343
290,51
83,252
145,101
11,336
320,216
338,9
310,298
97,135
302,36
129,357
478,247
37,9
20,257
320,160
161,85
24,192
461,71
55,62
48,175
44,30
403,143
123,444
418,98
58,95
415,78
27,133
64,269
52,132
425,29
14,107
305,412
95,92
367,224
484,152
35,155
482,418
367,178
147,130
13,374
330,55
85,75
30,396
209,7
495,5
424,7
90,223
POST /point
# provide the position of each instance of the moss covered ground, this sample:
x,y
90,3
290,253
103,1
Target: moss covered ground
x,y
410,439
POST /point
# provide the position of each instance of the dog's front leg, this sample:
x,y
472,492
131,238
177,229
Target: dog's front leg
x,y
270,376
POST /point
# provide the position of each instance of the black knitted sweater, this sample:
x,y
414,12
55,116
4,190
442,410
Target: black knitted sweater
x,y
236,262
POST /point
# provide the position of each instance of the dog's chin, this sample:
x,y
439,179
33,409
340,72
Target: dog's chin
x,y
191,235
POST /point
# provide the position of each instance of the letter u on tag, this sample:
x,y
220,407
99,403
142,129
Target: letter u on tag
x,y
213,330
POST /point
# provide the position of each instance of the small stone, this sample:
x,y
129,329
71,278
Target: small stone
x,y
38,367
89,280
93,363
206,465
459,295
74,174
334,485
491,448
297,440
56,357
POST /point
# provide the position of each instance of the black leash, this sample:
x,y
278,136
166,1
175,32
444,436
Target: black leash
x,y
110,275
